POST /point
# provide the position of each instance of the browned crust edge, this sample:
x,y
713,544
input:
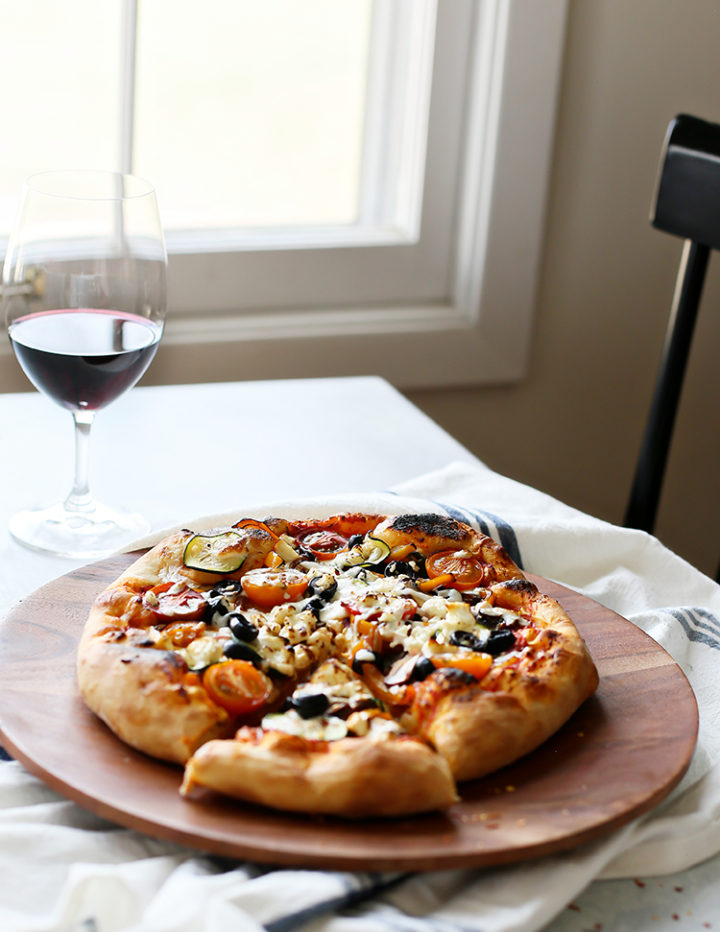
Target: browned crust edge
x,y
482,728
352,777
141,693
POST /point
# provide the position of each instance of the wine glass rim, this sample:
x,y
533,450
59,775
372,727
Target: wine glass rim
x,y
40,183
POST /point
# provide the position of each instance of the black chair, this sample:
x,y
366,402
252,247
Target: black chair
x,y
686,204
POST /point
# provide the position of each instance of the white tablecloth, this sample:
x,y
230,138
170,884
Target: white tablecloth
x,y
64,869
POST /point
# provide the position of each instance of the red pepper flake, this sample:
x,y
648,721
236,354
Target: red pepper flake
x,y
575,907
675,916
678,889
639,883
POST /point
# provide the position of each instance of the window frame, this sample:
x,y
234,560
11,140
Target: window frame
x,y
470,321
477,332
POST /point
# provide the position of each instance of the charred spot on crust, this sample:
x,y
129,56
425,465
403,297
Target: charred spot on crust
x,y
431,525
256,533
520,584
449,678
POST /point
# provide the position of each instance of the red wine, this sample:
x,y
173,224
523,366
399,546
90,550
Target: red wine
x,y
83,359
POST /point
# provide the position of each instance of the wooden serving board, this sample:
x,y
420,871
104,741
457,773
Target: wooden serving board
x,y
618,756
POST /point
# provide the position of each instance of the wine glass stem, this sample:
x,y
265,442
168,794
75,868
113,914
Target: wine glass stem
x,y
80,498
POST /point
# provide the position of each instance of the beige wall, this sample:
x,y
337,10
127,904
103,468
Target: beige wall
x,y
572,428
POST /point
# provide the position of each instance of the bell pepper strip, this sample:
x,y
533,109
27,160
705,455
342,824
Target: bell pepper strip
x,y
371,640
252,523
435,582
401,551
391,697
475,663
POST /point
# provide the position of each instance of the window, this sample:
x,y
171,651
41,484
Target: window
x,y
386,218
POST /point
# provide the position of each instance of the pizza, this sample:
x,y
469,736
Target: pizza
x,y
357,665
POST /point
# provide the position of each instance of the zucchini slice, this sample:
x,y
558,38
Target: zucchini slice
x,y
368,552
215,553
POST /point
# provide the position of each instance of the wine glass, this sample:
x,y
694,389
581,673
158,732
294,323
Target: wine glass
x,y
84,294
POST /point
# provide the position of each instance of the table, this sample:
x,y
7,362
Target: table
x,y
216,447
211,448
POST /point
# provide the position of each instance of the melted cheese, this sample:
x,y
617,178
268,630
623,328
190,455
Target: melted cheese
x,y
203,651
292,639
320,728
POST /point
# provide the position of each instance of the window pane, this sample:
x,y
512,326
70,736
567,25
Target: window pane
x,y
251,114
59,67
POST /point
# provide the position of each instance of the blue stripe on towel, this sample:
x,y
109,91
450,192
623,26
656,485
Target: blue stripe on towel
x,y
712,623
699,625
369,885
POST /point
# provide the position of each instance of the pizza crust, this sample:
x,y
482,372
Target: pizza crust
x,y
352,777
142,693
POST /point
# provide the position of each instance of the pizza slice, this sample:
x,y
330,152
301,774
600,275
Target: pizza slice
x,y
332,750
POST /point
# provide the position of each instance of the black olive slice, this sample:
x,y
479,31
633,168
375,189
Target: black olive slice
x,y
216,605
467,639
226,587
315,605
422,669
237,650
488,619
311,705
364,655
241,628
400,568
499,642
324,587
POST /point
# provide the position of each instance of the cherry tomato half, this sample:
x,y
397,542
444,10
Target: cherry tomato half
x,y
268,587
237,686
323,544
171,602
467,570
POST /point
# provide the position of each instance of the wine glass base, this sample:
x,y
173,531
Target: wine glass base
x,y
77,534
